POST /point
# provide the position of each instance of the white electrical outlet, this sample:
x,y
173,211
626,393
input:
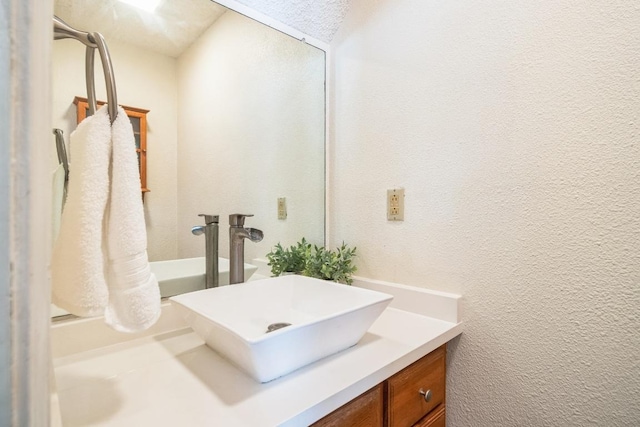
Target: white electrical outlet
x,y
395,204
282,208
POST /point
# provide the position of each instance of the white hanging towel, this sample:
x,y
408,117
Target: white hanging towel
x,y
134,296
99,264
77,263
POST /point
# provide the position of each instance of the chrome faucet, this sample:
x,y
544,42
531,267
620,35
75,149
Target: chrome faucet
x,y
210,231
237,234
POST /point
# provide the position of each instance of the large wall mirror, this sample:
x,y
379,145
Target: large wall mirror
x,y
236,117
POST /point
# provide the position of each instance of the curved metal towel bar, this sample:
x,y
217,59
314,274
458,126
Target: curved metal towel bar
x,y
93,41
63,159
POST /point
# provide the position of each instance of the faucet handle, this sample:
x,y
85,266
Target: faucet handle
x,y
210,219
237,220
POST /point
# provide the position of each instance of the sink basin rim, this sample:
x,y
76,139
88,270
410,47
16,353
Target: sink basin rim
x,y
382,297
326,318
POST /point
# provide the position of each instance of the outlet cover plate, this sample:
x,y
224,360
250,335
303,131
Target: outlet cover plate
x,y
282,208
395,204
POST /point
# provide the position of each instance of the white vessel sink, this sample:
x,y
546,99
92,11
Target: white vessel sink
x,y
178,276
324,318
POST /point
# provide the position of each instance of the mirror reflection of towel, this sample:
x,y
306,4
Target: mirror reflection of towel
x,y
77,263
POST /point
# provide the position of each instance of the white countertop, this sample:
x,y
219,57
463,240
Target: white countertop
x,y
173,378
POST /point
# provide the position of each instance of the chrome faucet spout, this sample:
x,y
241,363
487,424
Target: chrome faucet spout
x,y
255,235
237,234
252,234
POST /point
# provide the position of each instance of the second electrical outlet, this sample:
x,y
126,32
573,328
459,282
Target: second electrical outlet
x,y
395,204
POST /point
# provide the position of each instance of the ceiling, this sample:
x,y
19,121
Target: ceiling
x,y
177,23
169,30
319,19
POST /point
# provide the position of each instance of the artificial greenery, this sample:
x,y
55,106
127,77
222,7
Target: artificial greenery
x,y
289,260
319,262
336,265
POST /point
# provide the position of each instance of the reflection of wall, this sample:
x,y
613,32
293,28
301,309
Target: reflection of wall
x,y
248,134
146,80
513,127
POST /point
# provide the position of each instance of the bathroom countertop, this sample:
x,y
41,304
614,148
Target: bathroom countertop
x,y
173,378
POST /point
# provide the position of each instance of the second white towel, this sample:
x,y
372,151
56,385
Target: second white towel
x,y
134,296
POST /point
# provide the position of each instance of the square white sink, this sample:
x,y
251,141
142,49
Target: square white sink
x,y
324,318
178,276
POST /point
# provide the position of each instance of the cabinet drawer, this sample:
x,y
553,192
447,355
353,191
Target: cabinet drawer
x,y
363,411
434,419
406,405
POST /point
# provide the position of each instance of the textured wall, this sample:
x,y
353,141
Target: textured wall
x,y
251,129
318,19
146,80
514,129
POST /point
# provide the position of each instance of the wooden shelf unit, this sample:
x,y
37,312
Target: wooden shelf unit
x,y
138,118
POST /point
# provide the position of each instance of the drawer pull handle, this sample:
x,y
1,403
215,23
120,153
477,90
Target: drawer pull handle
x,y
426,394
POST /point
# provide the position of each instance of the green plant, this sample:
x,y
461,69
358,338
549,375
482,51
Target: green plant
x,y
289,260
332,265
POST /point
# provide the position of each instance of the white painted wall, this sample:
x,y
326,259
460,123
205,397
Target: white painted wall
x,y
514,128
145,80
251,129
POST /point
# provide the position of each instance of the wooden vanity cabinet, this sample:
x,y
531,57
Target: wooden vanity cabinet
x,y
414,397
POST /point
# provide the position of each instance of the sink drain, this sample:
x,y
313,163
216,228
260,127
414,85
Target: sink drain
x,y
275,326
